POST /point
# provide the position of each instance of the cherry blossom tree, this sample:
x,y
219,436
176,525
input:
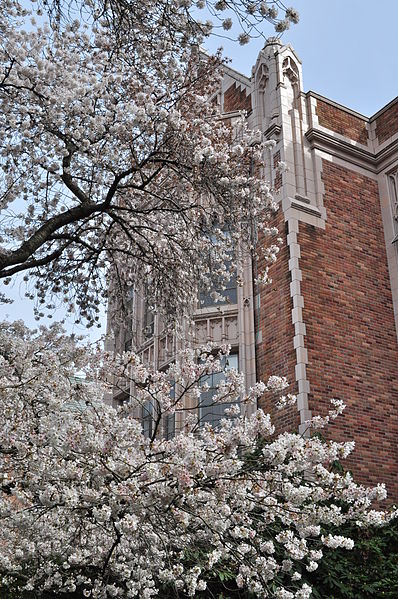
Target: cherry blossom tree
x,y
113,158
90,507
115,162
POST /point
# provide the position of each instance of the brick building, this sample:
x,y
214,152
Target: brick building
x,y
329,321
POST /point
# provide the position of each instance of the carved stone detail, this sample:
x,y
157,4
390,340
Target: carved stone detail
x,y
290,69
262,77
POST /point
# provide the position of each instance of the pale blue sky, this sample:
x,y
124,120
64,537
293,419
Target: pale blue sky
x,y
349,53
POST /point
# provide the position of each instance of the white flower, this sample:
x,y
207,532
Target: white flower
x,y
227,24
243,38
292,15
334,541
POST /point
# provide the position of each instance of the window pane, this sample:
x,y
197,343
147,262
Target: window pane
x,y
170,426
229,295
148,321
170,419
208,410
147,419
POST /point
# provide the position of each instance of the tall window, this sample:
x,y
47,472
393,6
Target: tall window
x,y
393,184
169,427
220,291
148,321
147,419
128,331
209,411
149,415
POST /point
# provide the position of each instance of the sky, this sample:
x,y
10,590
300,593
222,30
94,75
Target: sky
x,y
349,52
348,49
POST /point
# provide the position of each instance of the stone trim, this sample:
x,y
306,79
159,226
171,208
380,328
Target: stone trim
x,y
240,77
335,145
390,235
247,330
216,310
273,130
301,209
299,325
230,115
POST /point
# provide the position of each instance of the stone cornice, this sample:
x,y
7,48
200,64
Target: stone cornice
x,y
216,311
224,116
274,129
356,154
303,204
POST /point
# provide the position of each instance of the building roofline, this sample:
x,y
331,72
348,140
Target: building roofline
x,y
237,75
337,105
349,110
247,81
386,107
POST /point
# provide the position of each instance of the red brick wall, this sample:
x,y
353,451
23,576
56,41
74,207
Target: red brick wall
x,y
351,339
342,122
275,354
387,123
236,99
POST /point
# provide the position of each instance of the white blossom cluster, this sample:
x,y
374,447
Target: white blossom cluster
x,y
251,14
113,159
89,504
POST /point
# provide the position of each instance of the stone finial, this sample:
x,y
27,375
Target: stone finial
x,y
272,41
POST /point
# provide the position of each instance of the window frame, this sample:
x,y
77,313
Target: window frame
x,y
393,193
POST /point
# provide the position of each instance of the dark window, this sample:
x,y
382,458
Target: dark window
x,y
218,285
170,426
209,411
170,419
128,328
148,320
147,419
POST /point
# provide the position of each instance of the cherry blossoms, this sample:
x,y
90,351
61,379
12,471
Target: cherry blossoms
x,y
116,164
114,160
92,507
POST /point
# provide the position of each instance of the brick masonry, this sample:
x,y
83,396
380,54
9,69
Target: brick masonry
x,y
387,123
275,354
351,338
236,99
342,122
348,324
